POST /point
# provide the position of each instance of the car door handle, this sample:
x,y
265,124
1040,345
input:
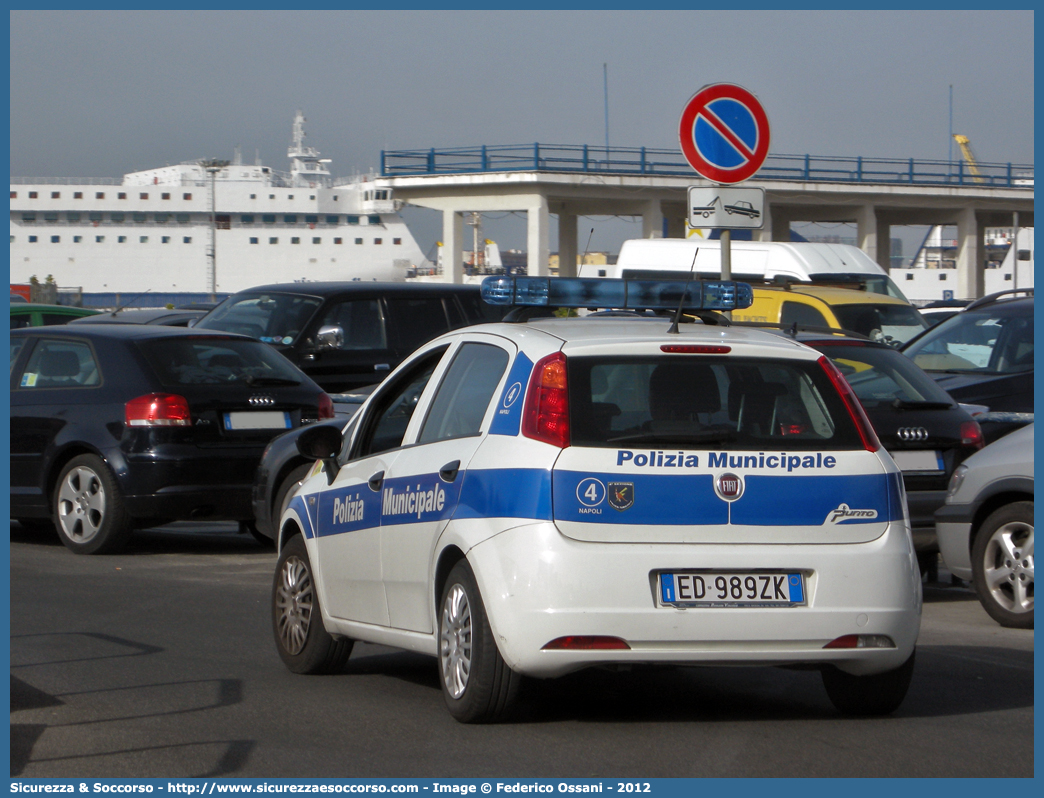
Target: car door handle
x,y
376,481
448,472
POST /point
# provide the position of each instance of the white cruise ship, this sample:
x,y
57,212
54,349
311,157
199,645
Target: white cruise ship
x,y
154,230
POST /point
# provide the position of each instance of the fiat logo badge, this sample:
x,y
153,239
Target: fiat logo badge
x,y
729,487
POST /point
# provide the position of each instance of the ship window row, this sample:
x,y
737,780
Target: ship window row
x,y
100,195
101,239
223,220
319,240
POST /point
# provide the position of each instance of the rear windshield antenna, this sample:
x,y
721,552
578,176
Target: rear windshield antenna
x,y
673,329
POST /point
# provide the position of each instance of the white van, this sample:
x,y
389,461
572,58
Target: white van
x,y
669,258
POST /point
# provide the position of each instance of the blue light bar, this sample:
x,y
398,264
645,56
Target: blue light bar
x,y
605,292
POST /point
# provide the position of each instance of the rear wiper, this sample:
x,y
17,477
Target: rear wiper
x,y
906,404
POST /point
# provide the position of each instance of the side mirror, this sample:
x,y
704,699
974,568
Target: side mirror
x,y
192,322
330,337
322,442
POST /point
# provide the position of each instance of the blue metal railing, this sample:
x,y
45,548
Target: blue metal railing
x,y
649,161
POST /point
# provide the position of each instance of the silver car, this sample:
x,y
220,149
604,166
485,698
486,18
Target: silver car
x,y
985,529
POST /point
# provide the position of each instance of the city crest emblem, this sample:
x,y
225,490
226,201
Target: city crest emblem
x,y
621,495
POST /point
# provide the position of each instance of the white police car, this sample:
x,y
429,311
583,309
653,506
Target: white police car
x,y
541,495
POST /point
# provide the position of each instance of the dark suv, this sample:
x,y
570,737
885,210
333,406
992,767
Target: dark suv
x,y
346,335
984,356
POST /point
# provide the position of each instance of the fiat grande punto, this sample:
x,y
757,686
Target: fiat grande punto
x,y
546,494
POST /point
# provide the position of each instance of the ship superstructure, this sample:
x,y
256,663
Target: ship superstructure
x,y
151,231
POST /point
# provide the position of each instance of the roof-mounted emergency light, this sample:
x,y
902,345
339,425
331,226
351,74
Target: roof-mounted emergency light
x,y
601,292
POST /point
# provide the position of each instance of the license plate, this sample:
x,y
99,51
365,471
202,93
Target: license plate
x,y
736,589
921,460
265,419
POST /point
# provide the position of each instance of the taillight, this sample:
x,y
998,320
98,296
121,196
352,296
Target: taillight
x,y
325,406
546,414
586,643
855,410
158,410
971,434
861,641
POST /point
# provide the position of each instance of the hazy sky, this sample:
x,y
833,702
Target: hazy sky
x,y
99,93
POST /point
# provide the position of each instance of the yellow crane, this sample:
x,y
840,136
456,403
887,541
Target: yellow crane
x,y
969,157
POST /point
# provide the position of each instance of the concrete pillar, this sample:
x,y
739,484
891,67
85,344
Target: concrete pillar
x,y
884,245
453,246
676,226
652,220
780,226
538,224
866,231
970,276
567,245
764,233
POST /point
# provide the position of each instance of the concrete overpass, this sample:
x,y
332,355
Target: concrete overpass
x,y
568,182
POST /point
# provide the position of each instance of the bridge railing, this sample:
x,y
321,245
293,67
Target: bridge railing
x,y
650,161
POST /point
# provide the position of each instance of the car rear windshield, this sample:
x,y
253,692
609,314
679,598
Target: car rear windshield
x,y
212,360
270,317
698,402
892,324
882,376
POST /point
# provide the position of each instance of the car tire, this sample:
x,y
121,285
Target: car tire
x,y
477,684
297,620
88,507
877,694
285,493
1002,568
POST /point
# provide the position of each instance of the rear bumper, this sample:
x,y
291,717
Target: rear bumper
x,y
538,585
190,483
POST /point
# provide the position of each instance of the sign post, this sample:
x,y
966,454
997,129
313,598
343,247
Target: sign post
x,y
724,135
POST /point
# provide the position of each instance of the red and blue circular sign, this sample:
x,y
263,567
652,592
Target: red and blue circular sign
x,y
724,133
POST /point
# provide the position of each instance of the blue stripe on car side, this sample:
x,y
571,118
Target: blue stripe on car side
x,y
506,493
656,500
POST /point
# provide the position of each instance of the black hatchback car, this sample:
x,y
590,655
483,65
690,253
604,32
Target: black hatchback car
x,y
116,426
351,334
927,433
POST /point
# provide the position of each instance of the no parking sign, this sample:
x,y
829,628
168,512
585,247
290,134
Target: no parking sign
x,y
724,133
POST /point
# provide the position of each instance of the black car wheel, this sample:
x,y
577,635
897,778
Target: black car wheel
x,y
1002,565
878,694
477,684
302,640
88,506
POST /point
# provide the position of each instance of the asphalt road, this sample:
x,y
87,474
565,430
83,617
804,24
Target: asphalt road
x,y
159,662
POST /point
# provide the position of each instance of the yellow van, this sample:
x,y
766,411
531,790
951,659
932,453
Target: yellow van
x,y
879,317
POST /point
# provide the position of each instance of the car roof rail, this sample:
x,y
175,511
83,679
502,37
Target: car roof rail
x,y
995,296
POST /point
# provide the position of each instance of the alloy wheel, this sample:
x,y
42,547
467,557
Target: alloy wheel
x,y
81,504
455,638
1008,566
295,598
